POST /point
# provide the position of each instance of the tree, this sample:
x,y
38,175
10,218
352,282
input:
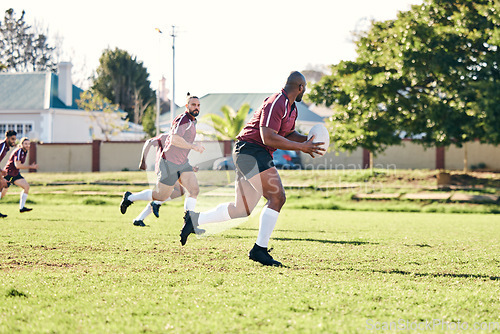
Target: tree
x,y
124,81
106,116
431,75
228,126
149,121
21,48
358,119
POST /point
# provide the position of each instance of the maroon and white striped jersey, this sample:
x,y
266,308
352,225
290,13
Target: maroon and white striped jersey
x,y
276,113
4,148
183,125
18,155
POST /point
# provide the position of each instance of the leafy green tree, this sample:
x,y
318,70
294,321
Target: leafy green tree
x,y
358,120
123,80
103,114
432,75
228,126
21,48
149,121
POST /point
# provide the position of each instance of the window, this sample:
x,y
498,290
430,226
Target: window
x,y
22,129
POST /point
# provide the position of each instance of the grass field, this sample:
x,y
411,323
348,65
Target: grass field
x,y
76,265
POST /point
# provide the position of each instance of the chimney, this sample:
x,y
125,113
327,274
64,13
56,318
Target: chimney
x,y
65,89
164,91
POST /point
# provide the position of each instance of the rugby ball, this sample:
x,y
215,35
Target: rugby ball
x,y
321,135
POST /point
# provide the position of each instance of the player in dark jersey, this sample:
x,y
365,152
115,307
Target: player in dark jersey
x,y
15,163
5,145
158,143
173,165
271,127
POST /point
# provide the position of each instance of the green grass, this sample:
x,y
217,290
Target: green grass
x,y
76,265
82,267
308,189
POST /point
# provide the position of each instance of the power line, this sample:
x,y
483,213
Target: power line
x,y
172,101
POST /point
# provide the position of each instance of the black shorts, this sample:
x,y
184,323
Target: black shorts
x,y
251,159
169,172
11,179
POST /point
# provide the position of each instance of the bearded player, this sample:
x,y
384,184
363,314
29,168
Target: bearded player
x,y
173,165
158,143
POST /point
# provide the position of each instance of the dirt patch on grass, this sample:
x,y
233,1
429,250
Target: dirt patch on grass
x,y
20,264
422,178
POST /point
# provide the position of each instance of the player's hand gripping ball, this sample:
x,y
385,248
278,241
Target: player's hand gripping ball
x,y
321,135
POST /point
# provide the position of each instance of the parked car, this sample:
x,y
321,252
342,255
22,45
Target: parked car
x,y
287,159
225,163
282,160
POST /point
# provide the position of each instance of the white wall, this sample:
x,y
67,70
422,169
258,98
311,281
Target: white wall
x,y
70,127
476,153
408,155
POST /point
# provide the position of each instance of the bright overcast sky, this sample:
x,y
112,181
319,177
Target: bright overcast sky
x,y
222,46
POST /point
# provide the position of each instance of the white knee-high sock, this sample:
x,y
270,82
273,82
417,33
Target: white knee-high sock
x,y
268,219
22,199
219,214
145,195
148,210
189,203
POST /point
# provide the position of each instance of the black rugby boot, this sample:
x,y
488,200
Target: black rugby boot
x,y
261,255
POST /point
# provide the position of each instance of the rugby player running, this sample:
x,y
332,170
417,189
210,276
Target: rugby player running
x,y
5,145
14,165
271,127
159,142
173,165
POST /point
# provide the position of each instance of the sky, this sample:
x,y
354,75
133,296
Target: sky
x,y
221,46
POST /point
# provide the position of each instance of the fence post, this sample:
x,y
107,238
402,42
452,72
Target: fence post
x,y
440,162
32,155
96,155
227,147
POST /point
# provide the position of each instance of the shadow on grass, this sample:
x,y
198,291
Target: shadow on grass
x,y
419,245
340,242
280,230
402,272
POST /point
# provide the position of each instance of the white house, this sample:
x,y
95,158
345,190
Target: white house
x,y
42,106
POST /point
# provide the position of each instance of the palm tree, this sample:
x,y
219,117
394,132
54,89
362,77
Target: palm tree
x,y
227,127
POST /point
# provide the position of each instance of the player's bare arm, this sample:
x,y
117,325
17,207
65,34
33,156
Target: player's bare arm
x,y
182,143
145,151
3,183
19,165
271,138
295,136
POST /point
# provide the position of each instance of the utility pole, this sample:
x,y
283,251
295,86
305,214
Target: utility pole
x,y
158,92
172,100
